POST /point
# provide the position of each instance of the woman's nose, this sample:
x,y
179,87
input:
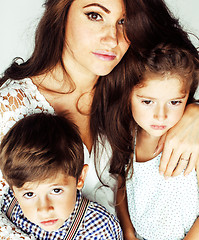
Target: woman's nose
x,y
110,37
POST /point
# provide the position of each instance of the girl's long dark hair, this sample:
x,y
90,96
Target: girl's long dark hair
x,y
119,124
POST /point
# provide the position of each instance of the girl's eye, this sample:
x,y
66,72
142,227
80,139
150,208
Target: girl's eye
x,y
93,16
147,102
29,195
57,191
174,103
121,22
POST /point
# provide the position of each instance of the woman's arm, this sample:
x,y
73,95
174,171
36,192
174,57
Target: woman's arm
x,y
182,141
123,214
193,233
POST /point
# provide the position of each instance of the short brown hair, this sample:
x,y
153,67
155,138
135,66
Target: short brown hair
x,y
39,146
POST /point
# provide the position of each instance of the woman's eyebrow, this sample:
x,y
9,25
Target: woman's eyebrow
x,y
98,5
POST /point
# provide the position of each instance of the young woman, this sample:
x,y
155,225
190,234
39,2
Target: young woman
x,y
77,44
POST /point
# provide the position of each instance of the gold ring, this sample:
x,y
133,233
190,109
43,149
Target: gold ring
x,y
183,159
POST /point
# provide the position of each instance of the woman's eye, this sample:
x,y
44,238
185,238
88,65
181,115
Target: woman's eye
x,y
147,102
174,103
57,191
29,195
93,16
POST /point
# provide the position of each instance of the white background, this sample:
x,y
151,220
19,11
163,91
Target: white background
x,y
18,19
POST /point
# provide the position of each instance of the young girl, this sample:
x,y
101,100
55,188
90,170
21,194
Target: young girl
x,y
159,208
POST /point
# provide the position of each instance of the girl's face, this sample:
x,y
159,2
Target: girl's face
x,y
159,104
94,39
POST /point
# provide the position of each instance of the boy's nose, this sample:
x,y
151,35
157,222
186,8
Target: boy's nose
x,y
44,205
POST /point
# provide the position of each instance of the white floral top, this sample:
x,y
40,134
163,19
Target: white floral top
x,y
19,98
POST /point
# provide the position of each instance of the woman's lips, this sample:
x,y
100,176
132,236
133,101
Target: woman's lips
x,y
105,56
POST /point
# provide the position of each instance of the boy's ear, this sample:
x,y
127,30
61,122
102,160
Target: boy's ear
x,y
82,177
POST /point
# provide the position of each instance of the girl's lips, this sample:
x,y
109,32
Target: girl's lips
x,y
105,56
49,222
158,127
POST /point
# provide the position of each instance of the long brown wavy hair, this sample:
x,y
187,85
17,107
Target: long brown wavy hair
x,y
148,22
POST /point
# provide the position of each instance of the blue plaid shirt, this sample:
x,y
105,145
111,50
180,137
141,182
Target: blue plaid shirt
x,y
98,223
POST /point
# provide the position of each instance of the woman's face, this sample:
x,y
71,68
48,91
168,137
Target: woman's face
x,y
94,40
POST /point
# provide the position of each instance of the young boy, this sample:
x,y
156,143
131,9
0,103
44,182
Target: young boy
x,y
42,160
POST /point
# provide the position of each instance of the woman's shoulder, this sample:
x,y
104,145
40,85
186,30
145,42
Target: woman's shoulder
x,y
19,98
9,231
12,83
17,94
16,91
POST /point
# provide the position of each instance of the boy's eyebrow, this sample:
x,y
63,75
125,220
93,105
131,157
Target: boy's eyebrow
x,y
24,189
98,5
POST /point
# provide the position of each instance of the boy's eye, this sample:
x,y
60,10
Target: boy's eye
x,y
29,195
57,191
174,103
147,102
93,16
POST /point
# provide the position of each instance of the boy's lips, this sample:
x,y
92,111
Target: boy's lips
x,y
49,222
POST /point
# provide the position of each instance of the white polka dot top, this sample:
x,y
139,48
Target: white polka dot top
x,y
161,209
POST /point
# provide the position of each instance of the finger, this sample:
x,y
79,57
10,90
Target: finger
x,y
160,145
166,155
172,163
182,164
191,164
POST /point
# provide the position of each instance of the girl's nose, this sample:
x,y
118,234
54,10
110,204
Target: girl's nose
x,y
160,113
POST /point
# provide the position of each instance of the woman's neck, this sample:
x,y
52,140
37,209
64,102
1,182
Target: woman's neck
x,y
61,81
145,146
70,92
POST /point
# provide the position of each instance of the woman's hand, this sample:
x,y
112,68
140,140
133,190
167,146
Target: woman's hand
x,y
181,146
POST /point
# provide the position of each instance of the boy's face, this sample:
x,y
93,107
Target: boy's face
x,y
49,203
159,104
